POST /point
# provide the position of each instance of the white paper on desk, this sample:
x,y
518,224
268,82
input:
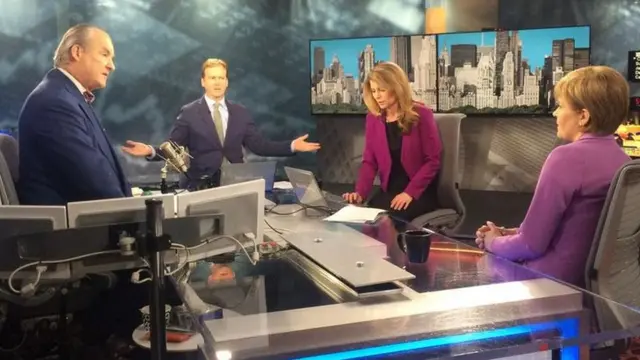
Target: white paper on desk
x,y
283,185
355,214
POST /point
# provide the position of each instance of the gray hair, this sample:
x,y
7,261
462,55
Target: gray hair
x,y
76,35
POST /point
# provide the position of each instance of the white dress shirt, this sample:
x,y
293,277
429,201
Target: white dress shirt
x,y
81,88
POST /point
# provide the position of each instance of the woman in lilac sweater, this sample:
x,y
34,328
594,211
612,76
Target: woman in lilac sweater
x,y
402,146
556,234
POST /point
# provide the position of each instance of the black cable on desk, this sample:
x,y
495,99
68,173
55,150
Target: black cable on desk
x,y
302,208
272,228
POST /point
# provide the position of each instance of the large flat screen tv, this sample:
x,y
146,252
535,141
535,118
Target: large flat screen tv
x,y
507,72
340,66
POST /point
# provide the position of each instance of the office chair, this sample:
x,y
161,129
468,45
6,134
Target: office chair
x,y
613,266
8,170
451,213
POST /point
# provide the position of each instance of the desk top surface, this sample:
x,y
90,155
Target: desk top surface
x,y
459,291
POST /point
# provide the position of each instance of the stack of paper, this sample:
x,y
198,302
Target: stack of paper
x,y
282,185
355,214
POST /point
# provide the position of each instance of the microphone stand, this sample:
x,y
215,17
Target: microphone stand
x,y
151,246
164,188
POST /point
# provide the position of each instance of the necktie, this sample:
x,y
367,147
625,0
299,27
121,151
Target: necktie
x,y
88,97
217,121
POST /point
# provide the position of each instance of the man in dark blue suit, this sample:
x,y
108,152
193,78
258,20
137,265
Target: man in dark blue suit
x,y
215,129
65,154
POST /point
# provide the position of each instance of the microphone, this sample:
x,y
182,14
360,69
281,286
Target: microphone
x,y
174,155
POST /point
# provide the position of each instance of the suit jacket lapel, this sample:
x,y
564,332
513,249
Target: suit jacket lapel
x,y
104,146
92,121
207,117
232,126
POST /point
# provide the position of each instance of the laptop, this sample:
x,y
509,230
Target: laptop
x,y
308,192
242,172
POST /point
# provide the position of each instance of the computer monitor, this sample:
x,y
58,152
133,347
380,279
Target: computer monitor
x,y
241,210
115,211
241,172
129,215
305,187
16,220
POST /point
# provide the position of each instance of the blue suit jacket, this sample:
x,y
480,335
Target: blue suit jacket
x,y
65,154
194,129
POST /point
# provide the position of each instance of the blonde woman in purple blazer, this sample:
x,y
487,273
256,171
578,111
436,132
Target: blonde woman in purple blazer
x,y
402,146
556,234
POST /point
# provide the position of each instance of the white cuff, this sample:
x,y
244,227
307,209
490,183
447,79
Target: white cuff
x,y
153,153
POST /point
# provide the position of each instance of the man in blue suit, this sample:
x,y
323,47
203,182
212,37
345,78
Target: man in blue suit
x,y
215,129
65,154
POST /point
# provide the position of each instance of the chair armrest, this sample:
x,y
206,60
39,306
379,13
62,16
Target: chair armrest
x,y
447,218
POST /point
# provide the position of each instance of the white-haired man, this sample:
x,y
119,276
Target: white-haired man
x,y
65,154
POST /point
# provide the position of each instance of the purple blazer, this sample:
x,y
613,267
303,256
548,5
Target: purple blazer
x,y
557,232
421,148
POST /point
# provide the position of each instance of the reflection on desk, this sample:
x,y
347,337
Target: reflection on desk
x,y
461,301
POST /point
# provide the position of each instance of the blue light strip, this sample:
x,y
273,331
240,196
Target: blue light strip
x,y
568,329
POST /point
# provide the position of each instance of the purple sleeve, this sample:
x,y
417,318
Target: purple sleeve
x,y
431,150
554,191
369,166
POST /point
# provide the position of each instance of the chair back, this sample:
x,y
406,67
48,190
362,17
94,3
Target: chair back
x,y
8,170
448,181
613,266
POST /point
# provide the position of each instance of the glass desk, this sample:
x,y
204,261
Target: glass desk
x,y
461,303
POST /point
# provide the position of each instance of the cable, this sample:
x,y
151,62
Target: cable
x,y
52,262
271,211
302,208
253,259
272,228
180,266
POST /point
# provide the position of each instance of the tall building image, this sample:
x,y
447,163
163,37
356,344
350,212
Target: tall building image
x,y
425,72
501,49
401,53
318,64
462,54
366,62
508,94
515,46
563,55
581,57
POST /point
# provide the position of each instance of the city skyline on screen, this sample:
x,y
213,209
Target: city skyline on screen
x,y
348,51
492,72
507,71
339,68
536,43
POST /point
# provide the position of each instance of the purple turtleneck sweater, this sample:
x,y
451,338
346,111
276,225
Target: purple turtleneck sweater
x,y
557,232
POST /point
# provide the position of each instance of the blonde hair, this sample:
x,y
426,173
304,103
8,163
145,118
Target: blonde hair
x,y
390,76
209,63
76,35
600,90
